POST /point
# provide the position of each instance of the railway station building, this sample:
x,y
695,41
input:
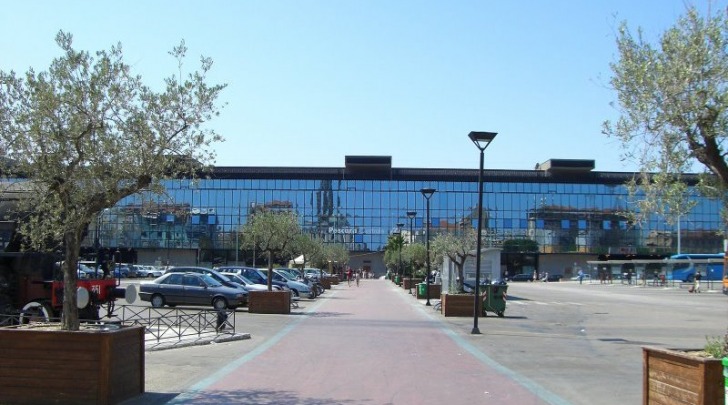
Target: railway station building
x,y
572,212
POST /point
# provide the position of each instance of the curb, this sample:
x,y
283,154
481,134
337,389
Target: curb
x,y
165,344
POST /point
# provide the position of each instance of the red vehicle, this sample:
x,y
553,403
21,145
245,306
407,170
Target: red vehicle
x,y
31,286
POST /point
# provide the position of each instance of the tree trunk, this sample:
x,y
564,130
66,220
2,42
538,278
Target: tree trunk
x,y
69,320
459,268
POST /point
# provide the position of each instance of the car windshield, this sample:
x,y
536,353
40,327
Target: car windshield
x,y
211,282
234,277
286,275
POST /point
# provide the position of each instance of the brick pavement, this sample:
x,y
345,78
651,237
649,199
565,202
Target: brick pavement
x,y
372,344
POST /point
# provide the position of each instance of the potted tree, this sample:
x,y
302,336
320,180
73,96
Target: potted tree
x,y
689,376
75,133
271,233
457,247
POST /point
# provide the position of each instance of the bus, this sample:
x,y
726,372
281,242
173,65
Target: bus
x,y
710,266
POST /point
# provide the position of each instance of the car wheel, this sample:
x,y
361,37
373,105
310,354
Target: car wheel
x,y
311,295
219,303
150,275
157,301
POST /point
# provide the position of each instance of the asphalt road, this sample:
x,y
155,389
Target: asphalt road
x,y
559,343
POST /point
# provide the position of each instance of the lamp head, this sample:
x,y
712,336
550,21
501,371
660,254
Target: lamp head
x,y
427,192
482,139
411,214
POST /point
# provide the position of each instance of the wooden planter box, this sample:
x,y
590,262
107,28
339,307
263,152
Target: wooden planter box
x,y
435,290
332,280
408,283
674,377
61,367
325,283
456,304
269,302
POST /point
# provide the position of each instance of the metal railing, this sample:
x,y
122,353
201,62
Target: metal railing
x,y
173,323
160,323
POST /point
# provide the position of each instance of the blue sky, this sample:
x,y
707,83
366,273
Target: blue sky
x,y
310,82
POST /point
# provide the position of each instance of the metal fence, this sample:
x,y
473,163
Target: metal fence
x,y
159,323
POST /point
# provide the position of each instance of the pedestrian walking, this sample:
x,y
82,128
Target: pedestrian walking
x,y
581,276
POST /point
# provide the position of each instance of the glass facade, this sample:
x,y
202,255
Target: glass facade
x,y
564,212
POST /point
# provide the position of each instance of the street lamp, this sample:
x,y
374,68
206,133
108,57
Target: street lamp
x,y
481,140
400,242
427,193
411,215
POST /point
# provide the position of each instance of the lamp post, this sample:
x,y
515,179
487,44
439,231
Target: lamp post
x,y
481,140
411,215
427,193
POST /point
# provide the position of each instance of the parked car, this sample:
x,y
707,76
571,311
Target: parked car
x,y
190,289
85,272
522,277
212,273
315,273
297,288
249,285
554,277
257,276
122,270
149,271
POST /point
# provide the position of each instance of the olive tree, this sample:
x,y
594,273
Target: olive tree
x,y
457,247
416,254
673,105
87,133
271,232
334,253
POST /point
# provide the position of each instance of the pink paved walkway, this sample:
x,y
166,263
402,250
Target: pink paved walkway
x,y
368,345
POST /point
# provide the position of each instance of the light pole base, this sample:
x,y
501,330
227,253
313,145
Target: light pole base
x,y
428,304
475,331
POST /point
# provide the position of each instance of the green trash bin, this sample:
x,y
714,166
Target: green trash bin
x,y
725,377
421,290
397,280
494,299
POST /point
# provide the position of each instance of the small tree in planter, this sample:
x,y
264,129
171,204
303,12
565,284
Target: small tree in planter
x,y
457,247
87,133
271,232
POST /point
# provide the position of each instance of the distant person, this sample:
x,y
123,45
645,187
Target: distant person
x,y
696,286
581,276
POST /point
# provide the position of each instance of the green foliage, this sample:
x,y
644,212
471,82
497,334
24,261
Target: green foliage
x,y
673,108
310,247
457,247
87,133
334,253
717,347
272,232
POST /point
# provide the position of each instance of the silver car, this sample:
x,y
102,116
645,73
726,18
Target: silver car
x,y
190,289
